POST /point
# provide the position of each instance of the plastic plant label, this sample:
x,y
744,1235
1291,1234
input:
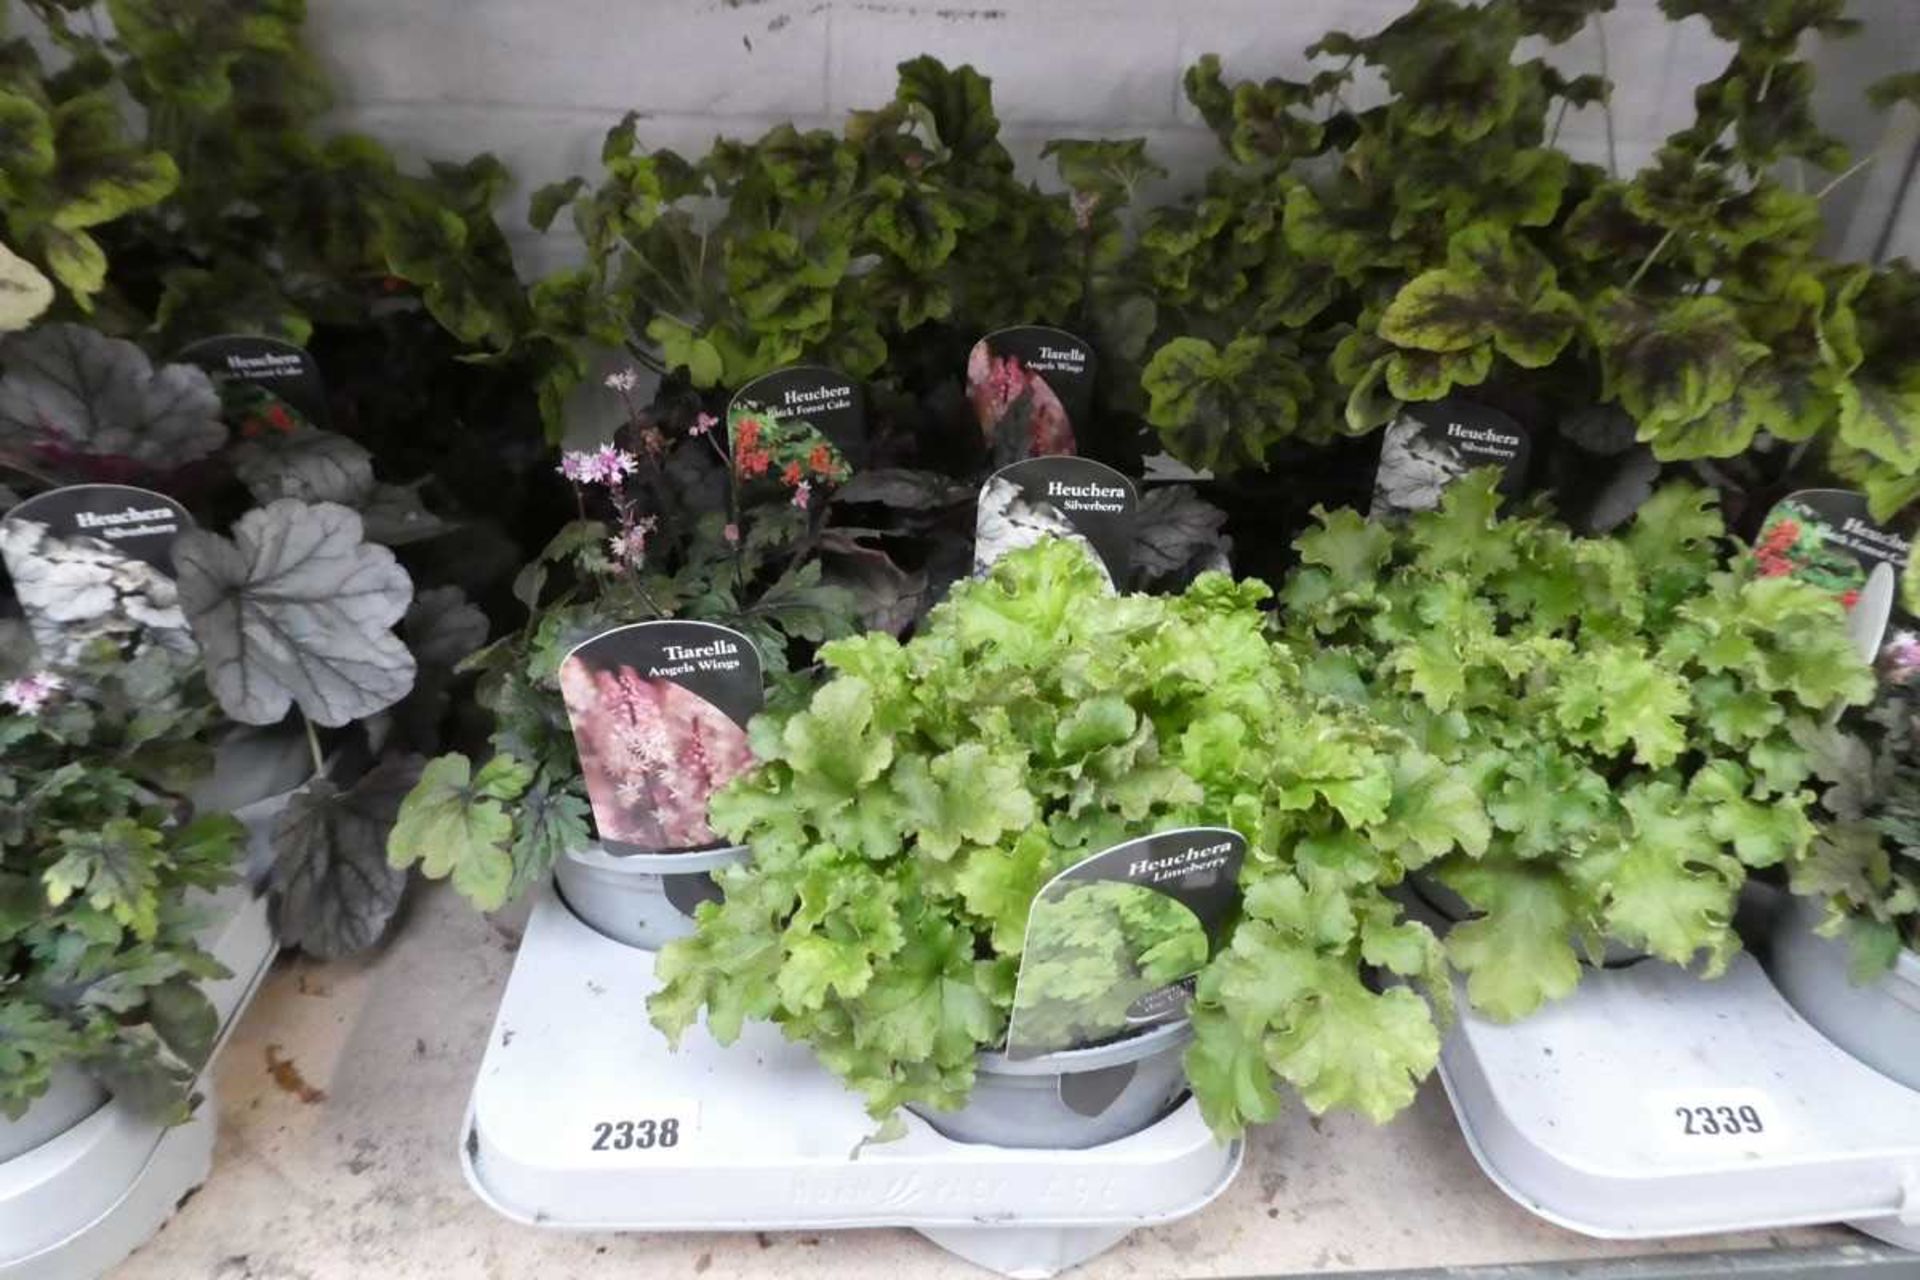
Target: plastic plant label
x,y
1075,498
1031,388
637,1134
659,713
94,560
1431,445
1714,1122
802,428
279,372
1113,943
1826,537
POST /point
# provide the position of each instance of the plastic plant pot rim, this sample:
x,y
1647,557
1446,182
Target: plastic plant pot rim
x,y
660,864
1115,1053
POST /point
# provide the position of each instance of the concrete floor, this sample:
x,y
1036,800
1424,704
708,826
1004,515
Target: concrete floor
x,y
342,1092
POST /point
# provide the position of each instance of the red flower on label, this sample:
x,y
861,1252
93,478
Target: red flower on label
x,y
820,461
791,475
279,417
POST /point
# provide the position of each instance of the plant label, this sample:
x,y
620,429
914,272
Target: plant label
x,y
805,401
1031,388
1715,1122
1075,498
258,376
1429,446
659,713
94,560
1114,942
793,428
1827,538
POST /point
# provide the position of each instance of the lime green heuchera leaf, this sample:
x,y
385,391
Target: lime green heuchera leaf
x,y
455,823
1519,954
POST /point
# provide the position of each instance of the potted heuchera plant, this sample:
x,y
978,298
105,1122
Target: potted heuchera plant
x,y
904,817
1628,707
671,525
291,612
1848,953
104,867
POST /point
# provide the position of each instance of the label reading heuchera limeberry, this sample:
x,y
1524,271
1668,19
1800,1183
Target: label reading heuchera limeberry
x,y
281,372
1827,537
659,713
1429,446
94,560
1114,942
1075,498
803,429
1031,388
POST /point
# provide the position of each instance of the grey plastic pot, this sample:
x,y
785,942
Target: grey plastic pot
x,y
1878,1023
1072,1100
1455,909
641,899
72,1095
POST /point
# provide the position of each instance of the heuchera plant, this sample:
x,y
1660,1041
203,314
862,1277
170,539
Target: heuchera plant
x,y
294,609
100,857
1629,708
903,818
1864,863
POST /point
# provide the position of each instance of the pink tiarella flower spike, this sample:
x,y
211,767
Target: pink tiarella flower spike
x,y
802,493
29,695
703,423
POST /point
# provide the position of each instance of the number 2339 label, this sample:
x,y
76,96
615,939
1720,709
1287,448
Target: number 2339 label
x,y
1710,1120
641,1133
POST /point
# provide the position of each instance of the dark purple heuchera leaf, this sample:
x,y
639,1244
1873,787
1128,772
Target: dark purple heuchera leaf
x,y
334,892
69,388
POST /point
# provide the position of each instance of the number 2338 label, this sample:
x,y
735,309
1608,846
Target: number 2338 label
x,y
641,1133
1711,1120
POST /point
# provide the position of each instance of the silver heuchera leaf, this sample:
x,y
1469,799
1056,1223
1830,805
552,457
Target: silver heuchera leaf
x,y
309,464
297,608
68,385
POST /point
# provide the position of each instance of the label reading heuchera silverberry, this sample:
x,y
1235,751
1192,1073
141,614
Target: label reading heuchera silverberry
x,y
803,429
1827,538
1429,446
659,713
96,560
1075,498
281,372
1114,942
1031,388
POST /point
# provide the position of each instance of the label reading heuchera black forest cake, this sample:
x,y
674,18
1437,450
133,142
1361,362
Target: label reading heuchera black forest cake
x,y
1827,538
659,713
285,372
1114,942
1031,389
1075,498
827,401
1429,446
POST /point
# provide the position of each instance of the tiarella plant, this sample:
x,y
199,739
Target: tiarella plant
x,y
677,526
102,866
292,610
903,818
1631,710
1864,863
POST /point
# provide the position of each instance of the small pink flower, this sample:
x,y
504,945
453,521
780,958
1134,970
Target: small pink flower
x,y
703,423
801,493
731,533
577,467
630,545
1900,658
623,381
30,694
614,464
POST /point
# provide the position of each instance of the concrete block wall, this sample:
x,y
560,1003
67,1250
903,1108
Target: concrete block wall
x,y
538,82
